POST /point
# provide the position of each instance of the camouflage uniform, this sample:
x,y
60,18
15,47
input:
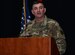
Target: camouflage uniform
x,y
47,28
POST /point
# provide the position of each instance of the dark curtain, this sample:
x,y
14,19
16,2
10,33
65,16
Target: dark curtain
x,y
11,18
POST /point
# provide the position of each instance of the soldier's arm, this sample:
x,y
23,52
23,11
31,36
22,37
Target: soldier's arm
x,y
59,36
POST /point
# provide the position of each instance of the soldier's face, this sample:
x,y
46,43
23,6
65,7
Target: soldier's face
x,y
38,10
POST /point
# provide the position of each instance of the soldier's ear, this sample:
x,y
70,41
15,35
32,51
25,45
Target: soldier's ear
x,y
44,10
32,12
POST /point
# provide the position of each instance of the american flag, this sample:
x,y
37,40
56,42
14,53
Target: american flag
x,y
28,17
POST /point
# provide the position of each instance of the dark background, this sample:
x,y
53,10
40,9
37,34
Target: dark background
x,y
60,10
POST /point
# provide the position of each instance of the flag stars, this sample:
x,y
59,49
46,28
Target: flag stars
x,y
22,28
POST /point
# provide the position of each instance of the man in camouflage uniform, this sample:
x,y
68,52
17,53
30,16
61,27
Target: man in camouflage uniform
x,y
42,26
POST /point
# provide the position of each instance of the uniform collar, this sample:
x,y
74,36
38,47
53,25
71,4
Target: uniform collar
x,y
44,22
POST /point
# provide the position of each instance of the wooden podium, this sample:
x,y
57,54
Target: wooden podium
x,y
28,46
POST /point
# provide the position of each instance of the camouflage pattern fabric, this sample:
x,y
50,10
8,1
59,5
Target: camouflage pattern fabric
x,y
48,27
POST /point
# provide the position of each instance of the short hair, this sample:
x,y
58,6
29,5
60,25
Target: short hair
x,y
36,2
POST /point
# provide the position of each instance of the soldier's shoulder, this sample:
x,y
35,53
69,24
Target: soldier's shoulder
x,y
52,21
29,24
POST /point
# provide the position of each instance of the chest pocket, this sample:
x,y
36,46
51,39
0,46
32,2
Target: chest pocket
x,y
39,30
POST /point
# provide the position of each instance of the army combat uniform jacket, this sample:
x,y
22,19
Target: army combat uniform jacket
x,y
48,27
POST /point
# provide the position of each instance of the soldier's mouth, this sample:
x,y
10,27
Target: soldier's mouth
x,y
38,13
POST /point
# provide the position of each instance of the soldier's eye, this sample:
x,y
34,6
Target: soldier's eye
x,y
40,7
35,8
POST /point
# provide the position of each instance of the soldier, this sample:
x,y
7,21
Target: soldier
x,y
42,26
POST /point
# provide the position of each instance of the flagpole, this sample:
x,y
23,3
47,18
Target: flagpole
x,y
24,14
